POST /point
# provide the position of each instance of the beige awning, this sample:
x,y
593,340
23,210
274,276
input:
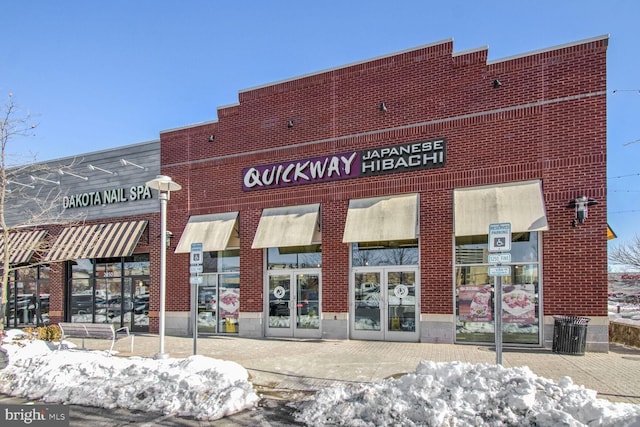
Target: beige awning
x,y
382,219
520,203
22,245
288,226
216,232
113,239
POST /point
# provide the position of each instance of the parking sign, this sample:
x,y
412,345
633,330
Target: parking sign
x,y
500,237
196,254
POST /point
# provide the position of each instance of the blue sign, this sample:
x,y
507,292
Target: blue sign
x,y
196,254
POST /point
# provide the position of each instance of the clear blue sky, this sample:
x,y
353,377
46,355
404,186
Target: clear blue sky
x,y
96,75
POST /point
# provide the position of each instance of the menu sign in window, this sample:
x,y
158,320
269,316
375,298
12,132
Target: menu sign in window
x,y
475,303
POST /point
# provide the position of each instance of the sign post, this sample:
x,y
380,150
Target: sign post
x,y
195,268
499,241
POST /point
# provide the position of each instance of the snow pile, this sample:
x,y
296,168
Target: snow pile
x,y
197,386
436,394
458,393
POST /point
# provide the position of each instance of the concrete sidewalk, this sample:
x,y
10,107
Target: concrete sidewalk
x,y
294,368
290,370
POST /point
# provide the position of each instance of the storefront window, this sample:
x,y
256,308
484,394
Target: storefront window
x,y
137,265
221,261
475,291
219,295
82,269
294,257
371,254
219,303
28,296
113,290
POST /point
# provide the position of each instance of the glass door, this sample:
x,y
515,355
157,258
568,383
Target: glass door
x,y
140,304
385,304
402,305
307,304
294,304
367,309
280,305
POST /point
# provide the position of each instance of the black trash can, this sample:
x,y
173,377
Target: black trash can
x,y
570,334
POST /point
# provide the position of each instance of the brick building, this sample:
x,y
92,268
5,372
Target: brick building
x,y
356,202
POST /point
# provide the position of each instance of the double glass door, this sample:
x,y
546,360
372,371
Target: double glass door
x,y
293,299
385,304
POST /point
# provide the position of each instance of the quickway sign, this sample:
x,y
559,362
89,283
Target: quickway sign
x,y
500,237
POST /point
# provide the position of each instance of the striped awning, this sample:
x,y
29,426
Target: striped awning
x,y
113,239
22,245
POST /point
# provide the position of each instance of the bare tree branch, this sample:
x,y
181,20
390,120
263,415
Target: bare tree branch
x,y
24,203
627,254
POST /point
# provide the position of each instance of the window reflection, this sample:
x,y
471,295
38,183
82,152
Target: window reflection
x,y
28,296
404,252
221,261
294,257
110,290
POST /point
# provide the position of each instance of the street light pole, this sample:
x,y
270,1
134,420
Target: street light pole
x,y
165,185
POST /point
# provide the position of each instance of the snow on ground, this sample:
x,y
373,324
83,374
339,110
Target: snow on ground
x,y
436,394
630,313
197,386
462,394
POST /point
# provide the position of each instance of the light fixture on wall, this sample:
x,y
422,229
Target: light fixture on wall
x,y
169,238
497,84
37,178
125,162
581,207
62,172
383,107
212,138
19,183
290,124
96,168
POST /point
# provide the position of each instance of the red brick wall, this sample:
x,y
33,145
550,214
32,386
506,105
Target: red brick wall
x,y
547,122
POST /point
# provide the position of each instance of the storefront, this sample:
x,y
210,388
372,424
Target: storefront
x,y
88,256
360,198
355,203
219,294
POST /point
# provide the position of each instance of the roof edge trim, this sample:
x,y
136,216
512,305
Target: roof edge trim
x,y
193,125
549,49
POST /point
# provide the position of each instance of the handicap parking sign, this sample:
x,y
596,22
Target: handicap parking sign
x,y
500,237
